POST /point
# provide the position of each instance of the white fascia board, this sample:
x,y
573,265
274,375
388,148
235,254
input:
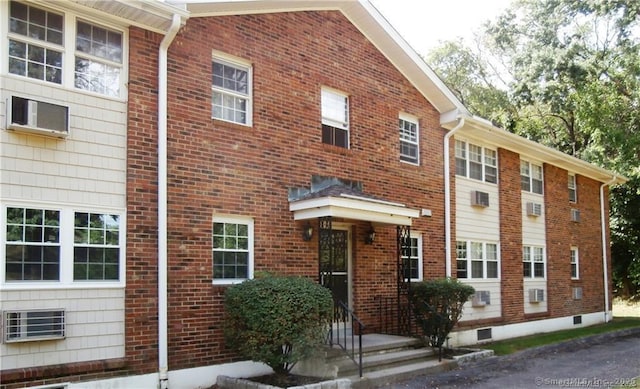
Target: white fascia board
x,y
350,208
483,131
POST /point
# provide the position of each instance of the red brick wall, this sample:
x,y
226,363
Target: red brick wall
x,y
562,234
218,167
511,287
141,297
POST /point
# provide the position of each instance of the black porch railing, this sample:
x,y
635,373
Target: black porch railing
x,y
347,326
395,317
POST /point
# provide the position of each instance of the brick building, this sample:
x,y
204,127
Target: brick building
x,y
188,146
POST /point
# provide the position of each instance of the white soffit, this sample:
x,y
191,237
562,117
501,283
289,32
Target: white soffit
x,y
354,208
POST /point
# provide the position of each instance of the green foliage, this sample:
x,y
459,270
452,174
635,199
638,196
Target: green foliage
x,y
572,82
437,306
277,320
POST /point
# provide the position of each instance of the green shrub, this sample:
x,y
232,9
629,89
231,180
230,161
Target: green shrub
x,y
437,306
277,320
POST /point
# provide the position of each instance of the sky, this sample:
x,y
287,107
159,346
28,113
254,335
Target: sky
x,y
424,23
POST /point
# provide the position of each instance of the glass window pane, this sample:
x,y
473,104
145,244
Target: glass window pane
x,y
476,269
492,269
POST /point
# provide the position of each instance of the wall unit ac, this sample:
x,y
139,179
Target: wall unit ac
x,y
575,215
481,298
27,115
479,199
534,209
577,292
536,295
34,325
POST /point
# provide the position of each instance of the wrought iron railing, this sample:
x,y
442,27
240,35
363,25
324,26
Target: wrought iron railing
x,y
347,326
395,317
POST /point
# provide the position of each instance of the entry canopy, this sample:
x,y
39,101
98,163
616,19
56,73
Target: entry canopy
x,y
344,202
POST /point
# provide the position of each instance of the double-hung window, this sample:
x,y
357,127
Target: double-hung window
x,y
409,140
232,91
37,38
96,253
232,249
477,260
62,245
533,262
575,263
413,264
531,177
573,194
335,118
32,244
473,161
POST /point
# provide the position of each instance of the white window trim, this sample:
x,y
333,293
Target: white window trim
x,y
530,164
572,184
485,271
239,63
418,236
483,157
531,262
69,49
250,225
412,119
577,263
333,123
67,221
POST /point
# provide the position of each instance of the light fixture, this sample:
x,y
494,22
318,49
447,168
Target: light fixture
x,y
371,236
307,232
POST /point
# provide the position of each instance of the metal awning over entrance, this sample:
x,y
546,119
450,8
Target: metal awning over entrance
x,y
342,202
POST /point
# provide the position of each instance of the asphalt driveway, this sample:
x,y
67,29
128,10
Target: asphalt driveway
x,y
599,361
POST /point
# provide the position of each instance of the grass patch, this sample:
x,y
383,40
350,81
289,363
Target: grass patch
x,y
509,346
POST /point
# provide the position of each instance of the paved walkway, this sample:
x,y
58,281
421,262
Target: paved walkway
x,y
599,361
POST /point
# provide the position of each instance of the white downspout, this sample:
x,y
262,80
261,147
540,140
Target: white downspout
x,y
447,197
603,219
163,349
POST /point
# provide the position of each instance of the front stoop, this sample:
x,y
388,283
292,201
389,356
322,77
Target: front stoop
x,y
385,359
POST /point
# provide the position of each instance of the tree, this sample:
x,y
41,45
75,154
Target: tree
x,y
572,71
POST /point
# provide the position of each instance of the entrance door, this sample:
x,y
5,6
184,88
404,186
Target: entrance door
x,y
334,266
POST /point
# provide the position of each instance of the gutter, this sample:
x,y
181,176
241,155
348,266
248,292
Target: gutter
x,y
603,219
163,349
447,196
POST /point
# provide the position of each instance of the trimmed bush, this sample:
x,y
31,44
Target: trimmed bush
x,y
277,320
437,306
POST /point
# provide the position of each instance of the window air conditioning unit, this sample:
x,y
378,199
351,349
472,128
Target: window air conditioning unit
x,y
575,215
534,209
577,293
37,117
536,295
481,298
479,199
35,325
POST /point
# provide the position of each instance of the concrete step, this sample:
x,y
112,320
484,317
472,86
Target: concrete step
x,y
395,374
387,359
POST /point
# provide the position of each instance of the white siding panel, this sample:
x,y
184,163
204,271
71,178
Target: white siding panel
x,y
535,307
533,228
91,160
488,311
476,223
94,327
